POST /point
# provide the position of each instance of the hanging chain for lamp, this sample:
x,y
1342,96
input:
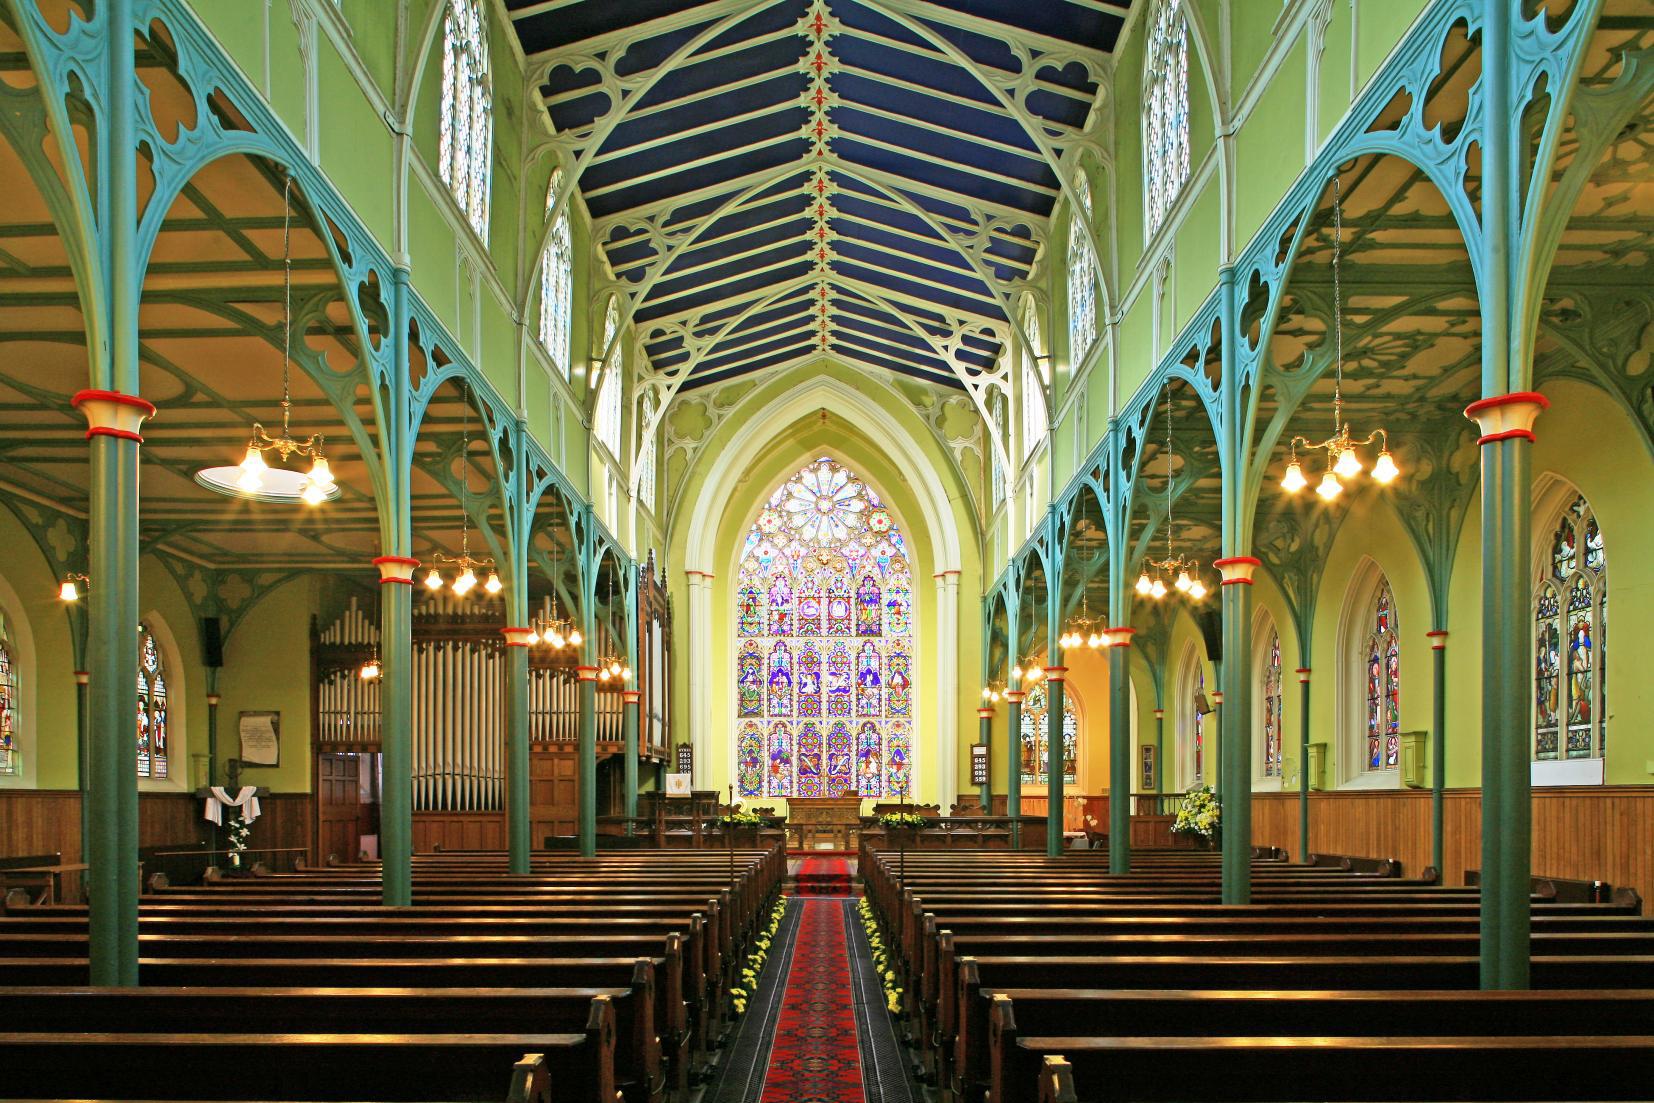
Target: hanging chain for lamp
x,y
1184,570
1084,630
465,562
612,667
1342,460
318,484
550,628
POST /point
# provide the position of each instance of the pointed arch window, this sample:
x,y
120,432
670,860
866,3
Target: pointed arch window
x,y
646,455
1381,656
996,429
466,144
1082,277
1034,382
1036,739
557,283
1570,639
153,729
824,668
11,709
1165,113
606,418
1270,691
1198,708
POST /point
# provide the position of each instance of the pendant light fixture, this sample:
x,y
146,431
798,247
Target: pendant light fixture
x,y
69,588
465,563
1183,570
255,478
1084,630
551,629
1343,462
612,668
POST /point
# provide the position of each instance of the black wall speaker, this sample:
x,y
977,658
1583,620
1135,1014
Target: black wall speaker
x,y
1211,630
212,641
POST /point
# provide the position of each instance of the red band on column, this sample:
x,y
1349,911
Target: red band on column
x,y
82,677
630,696
984,714
1237,569
1303,673
396,568
1507,416
585,673
516,637
113,414
213,699
1438,640
1119,637
1015,696
1055,673
1159,714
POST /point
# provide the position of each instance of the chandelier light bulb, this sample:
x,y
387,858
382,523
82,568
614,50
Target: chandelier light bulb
x,y
1183,583
464,583
533,637
1016,672
603,675
1385,470
1157,590
1329,487
625,673
987,694
556,640
1293,481
68,591
433,579
313,494
995,697
493,585
1197,590
321,475
370,670
1094,641
1033,675
1143,583
1348,465
575,638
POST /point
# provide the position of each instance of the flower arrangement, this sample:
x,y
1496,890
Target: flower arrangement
x,y
739,817
901,819
881,957
1201,813
739,995
238,832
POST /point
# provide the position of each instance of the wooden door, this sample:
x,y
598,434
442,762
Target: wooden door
x,y
339,787
554,805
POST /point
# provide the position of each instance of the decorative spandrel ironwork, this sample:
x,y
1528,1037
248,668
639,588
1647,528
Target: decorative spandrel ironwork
x,y
1570,629
1036,739
824,669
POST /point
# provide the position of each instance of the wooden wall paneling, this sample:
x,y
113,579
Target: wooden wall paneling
x,y
40,821
458,831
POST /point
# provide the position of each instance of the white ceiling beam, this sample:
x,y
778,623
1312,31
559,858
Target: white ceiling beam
x,y
938,94
935,127
706,242
749,274
692,133
686,166
961,166
769,176
936,55
641,32
949,15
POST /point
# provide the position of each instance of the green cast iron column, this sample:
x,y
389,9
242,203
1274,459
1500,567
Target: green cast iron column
x,y
1119,750
517,751
1159,751
1438,746
1013,754
1303,764
629,704
83,751
396,569
1507,814
1235,730
586,750
985,736
1056,760
212,742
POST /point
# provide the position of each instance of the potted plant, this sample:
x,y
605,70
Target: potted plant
x,y
238,832
1200,818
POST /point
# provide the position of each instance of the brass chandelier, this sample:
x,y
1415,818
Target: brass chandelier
x,y
1183,570
465,563
1084,630
1342,460
550,629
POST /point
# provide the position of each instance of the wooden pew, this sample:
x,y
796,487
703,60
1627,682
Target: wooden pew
x,y
1342,1068
406,1068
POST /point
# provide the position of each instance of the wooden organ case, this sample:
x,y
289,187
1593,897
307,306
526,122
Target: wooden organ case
x,y
459,723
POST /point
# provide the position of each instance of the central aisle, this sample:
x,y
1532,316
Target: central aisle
x,y
815,1056
816,1028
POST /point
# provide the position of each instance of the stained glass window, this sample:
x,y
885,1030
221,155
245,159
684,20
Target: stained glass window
x,y
646,454
11,756
824,668
606,417
1034,378
557,283
466,145
1036,738
1570,634
152,707
1199,723
1381,652
997,429
1165,112
1272,708
1082,277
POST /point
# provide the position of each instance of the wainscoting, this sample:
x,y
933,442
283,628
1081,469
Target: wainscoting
x,y
39,821
433,831
1595,833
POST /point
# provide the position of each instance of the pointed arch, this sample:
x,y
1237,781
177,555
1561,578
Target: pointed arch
x,y
1570,622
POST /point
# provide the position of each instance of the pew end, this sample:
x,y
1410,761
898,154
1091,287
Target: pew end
x,y
1056,1081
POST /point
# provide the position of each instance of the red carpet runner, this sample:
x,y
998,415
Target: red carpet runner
x,y
815,1058
824,877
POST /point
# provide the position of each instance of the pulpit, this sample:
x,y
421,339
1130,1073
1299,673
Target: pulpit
x,y
812,821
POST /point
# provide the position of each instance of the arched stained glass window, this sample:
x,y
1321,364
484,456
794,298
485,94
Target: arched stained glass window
x,y
1570,638
1165,112
1381,652
557,283
11,755
1034,379
152,707
1272,707
466,144
997,429
646,454
1082,277
606,417
1198,722
824,669
1036,738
